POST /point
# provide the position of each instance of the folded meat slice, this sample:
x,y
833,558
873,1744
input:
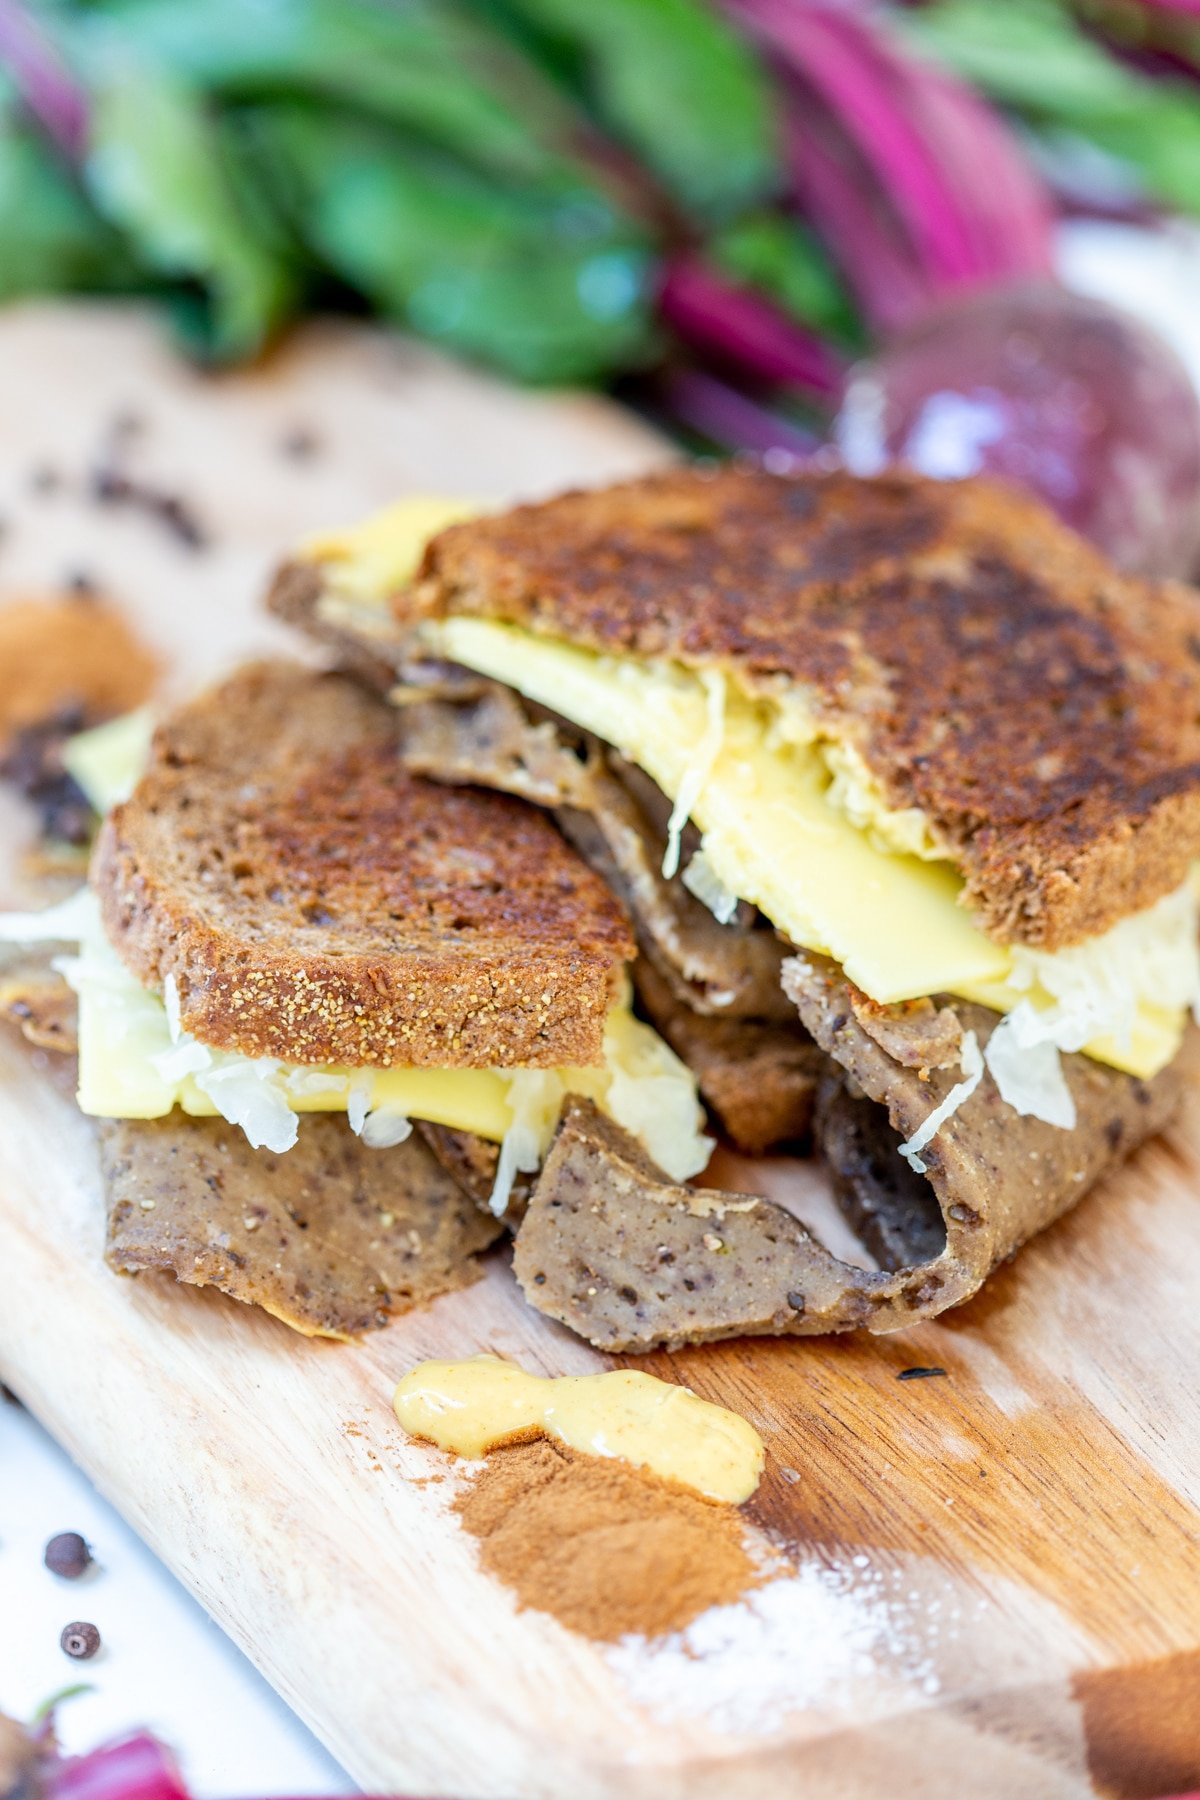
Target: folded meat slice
x,y
617,820
997,1176
334,1238
759,1079
610,1247
629,1260
891,1209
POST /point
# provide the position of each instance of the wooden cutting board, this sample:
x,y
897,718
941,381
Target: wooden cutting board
x,y
997,1574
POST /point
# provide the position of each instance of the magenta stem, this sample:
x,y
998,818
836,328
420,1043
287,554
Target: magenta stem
x,y
720,413
732,322
45,84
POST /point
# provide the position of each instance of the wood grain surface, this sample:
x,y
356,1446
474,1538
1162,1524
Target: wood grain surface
x,y
996,1573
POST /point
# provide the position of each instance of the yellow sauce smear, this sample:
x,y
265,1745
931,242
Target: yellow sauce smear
x,y
470,1407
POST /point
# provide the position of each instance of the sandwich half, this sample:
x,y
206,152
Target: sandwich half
x,y
282,921
930,737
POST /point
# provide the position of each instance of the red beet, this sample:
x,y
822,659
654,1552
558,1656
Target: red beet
x,y
1067,396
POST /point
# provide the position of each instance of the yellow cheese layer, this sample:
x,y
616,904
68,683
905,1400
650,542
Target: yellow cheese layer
x,y
107,761
366,562
120,1035
772,833
130,1067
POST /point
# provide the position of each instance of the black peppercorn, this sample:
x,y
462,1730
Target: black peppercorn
x,y
80,1640
67,1555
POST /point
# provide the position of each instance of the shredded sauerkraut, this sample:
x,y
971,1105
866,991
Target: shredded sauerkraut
x,y
1090,993
652,1094
1026,1067
699,769
384,1127
971,1063
701,879
535,1099
854,791
642,1086
70,922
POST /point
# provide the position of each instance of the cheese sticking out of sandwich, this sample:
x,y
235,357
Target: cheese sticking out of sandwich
x,y
776,835
364,563
135,1062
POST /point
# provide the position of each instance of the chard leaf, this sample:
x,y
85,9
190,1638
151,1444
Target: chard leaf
x,y
547,282
1032,56
159,168
786,262
52,240
427,65
676,82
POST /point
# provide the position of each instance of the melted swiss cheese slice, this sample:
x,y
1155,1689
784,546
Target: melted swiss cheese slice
x,y
771,833
131,1067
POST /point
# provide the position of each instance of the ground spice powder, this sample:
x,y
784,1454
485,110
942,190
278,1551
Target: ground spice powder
x,y
58,653
607,1549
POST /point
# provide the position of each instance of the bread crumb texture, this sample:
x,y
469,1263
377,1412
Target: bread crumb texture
x,y
314,902
989,666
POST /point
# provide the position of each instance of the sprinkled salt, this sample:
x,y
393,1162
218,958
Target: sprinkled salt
x,y
818,1637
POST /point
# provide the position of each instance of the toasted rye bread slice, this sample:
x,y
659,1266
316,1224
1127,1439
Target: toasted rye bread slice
x,y
314,902
989,667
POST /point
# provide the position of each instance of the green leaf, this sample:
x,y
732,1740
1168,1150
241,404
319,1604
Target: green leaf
x,y
547,283
159,168
786,262
52,240
427,65
678,83
1030,55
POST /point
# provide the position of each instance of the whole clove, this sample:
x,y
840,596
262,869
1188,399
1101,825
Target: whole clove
x,y
33,763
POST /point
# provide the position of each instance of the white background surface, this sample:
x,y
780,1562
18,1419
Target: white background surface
x,y
165,1665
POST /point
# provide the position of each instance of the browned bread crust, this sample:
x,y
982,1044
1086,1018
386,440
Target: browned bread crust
x,y
989,666
316,903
